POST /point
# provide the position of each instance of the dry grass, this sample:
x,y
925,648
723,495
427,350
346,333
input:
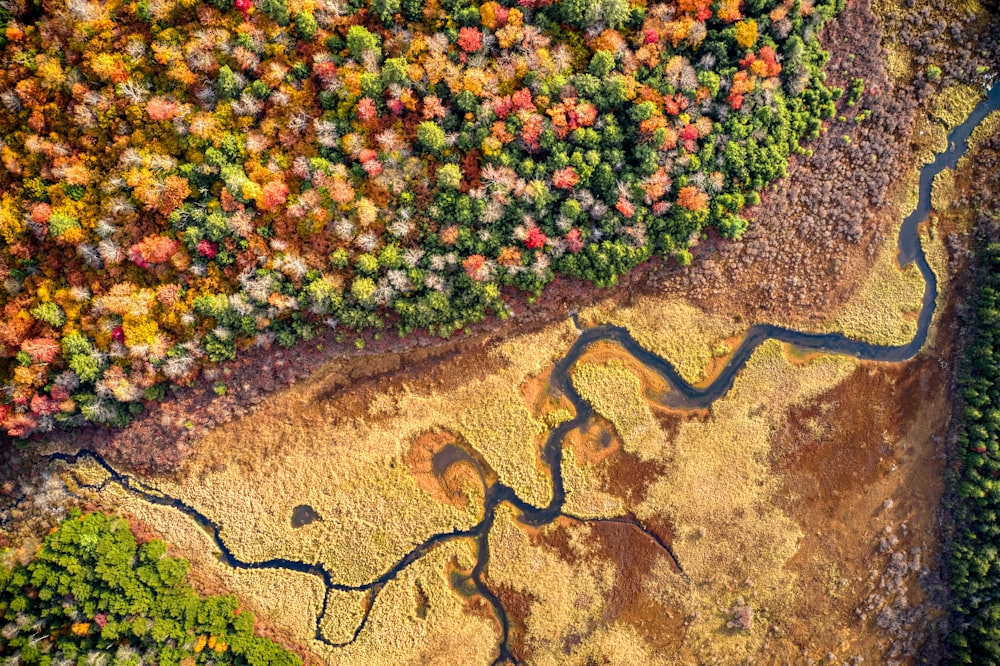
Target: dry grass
x,y
507,435
936,251
943,190
929,138
986,129
584,495
616,394
568,598
882,311
453,628
419,619
899,62
951,105
719,493
290,600
353,471
372,509
673,329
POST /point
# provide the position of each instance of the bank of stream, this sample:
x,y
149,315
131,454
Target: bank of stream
x,y
681,395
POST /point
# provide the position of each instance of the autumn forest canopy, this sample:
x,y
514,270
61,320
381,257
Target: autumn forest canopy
x,y
181,179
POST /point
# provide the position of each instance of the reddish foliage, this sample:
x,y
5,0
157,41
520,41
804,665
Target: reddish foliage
x,y
565,178
473,265
152,250
41,350
159,108
207,248
574,243
470,40
275,194
43,406
535,240
692,198
522,100
41,212
625,207
366,109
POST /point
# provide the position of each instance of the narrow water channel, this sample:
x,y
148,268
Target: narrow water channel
x,y
681,395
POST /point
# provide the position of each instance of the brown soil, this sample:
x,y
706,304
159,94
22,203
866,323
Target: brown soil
x,y
518,605
634,553
445,469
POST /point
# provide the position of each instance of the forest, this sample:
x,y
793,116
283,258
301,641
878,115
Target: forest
x,y
184,179
975,549
93,595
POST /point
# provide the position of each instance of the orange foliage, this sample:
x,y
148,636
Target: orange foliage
x,y
692,198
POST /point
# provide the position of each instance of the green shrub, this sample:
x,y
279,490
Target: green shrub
x,y
91,588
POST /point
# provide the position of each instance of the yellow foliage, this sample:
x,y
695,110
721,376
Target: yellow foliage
x,y
199,644
474,81
139,330
80,628
49,71
11,223
491,146
746,33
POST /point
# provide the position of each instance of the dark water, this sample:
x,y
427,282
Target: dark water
x,y
304,514
682,395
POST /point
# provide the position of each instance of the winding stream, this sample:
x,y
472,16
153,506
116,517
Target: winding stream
x,y
681,395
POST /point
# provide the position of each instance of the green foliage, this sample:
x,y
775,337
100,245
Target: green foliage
x,y
277,10
385,9
92,589
430,136
394,70
363,289
50,313
412,9
359,40
856,90
602,63
449,176
60,223
305,25
366,264
227,84
975,549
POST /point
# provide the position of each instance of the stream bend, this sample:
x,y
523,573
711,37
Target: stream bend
x,y
682,395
